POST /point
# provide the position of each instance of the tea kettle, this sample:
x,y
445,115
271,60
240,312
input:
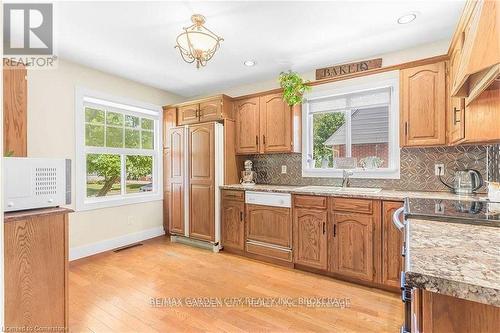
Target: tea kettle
x,y
465,181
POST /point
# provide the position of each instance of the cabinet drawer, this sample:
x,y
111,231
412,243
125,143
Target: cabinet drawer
x,y
269,251
309,201
352,205
233,195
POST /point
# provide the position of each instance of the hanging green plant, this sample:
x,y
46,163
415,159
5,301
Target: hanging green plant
x,y
293,86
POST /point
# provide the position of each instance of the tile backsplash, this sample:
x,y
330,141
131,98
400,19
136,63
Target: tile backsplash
x,y
417,168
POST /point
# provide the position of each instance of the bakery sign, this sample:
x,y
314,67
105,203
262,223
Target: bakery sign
x,y
345,69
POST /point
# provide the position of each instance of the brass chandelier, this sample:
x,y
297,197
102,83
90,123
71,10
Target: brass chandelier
x,y
197,43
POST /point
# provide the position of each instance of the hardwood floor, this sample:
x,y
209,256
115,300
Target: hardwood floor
x,y
112,292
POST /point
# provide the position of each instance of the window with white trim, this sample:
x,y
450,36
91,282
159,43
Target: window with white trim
x,y
118,152
352,124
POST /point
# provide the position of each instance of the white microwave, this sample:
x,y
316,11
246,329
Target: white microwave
x,y
31,183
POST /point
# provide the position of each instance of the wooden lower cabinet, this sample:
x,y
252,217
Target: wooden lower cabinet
x,y
176,210
351,245
310,238
36,269
441,313
392,243
270,225
233,224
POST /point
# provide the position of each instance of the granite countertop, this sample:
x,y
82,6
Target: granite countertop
x,y
384,194
458,260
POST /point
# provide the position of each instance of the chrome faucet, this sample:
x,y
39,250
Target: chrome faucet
x,y
345,177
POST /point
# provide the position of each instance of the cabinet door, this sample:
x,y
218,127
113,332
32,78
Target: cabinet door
x,y
176,209
233,224
456,108
423,105
271,225
310,237
36,271
15,106
392,244
169,121
188,114
201,159
247,126
166,210
351,246
275,124
210,110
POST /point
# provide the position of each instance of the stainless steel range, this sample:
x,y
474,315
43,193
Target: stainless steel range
x,y
465,211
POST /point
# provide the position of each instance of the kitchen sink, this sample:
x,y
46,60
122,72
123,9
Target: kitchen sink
x,y
359,189
338,189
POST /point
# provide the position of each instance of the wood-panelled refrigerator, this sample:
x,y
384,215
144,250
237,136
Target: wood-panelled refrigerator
x,y
196,172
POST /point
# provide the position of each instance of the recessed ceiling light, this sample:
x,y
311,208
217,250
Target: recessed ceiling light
x,y
249,63
407,18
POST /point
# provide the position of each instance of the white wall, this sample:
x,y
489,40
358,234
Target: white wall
x,y
388,59
51,133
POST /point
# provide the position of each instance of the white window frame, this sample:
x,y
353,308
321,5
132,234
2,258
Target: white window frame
x,y
356,85
86,97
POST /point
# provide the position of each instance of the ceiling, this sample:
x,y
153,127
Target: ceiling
x,y
136,39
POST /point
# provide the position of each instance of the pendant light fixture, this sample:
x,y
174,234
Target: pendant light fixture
x,y
197,43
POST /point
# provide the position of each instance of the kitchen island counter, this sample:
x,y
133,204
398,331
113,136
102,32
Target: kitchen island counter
x,y
458,260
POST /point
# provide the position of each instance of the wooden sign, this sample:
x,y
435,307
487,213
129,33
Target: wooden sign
x,y
346,69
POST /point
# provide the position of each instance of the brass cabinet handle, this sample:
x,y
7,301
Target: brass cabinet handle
x,y
241,216
264,139
406,128
324,227
256,139
334,230
455,111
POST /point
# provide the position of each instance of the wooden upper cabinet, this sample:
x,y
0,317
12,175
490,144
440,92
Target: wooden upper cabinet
x,y
423,105
15,111
210,110
275,124
176,187
266,124
201,153
247,126
351,245
233,224
456,106
188,114
310,238
392,243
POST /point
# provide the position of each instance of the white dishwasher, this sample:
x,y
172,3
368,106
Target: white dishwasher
x,y
269,225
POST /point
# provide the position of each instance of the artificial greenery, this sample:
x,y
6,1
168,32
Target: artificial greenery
x,y
293,86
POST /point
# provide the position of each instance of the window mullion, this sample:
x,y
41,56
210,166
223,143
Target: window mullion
x,y
123,174
348,131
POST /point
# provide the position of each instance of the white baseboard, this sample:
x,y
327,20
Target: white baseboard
x,y
113,243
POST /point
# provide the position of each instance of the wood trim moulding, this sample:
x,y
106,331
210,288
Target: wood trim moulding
x,y
404,65
414,63
200,100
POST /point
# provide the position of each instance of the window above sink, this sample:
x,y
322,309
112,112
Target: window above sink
x,y
354,121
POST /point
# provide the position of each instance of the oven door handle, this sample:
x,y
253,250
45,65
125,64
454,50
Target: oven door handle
x,y
395,218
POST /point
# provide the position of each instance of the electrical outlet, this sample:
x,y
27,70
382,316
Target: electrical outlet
x,y
283,169
438,168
